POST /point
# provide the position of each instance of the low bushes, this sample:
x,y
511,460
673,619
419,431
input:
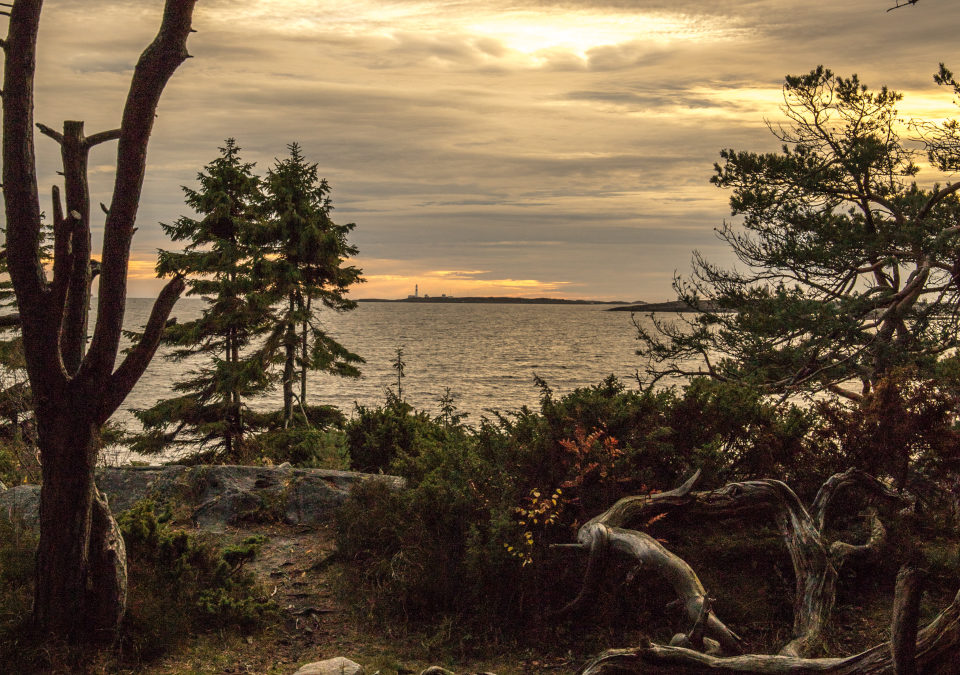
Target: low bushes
x,y
469,541
180,585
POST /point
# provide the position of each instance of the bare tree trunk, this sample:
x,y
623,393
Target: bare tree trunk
x,y
304,346
81,575
81,565
289,366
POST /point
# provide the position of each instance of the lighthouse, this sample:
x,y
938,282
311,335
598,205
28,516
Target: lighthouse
x,y
416,293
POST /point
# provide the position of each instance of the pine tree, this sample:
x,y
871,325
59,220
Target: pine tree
x,y
847,267
220,263
307,267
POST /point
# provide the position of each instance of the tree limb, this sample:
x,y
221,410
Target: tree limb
x,y
127,374
22,202
157,64
903,626
101,137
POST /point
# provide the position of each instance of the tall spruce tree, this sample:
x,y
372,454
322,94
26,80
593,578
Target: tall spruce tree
x,y
307,267
220,264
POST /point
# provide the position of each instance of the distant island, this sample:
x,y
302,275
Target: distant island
x,y
669,306
497,300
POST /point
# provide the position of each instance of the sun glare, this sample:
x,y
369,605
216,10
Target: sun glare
x,y
578,31
521,31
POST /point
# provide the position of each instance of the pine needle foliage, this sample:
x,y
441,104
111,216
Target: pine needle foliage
x,y
846,265
306,266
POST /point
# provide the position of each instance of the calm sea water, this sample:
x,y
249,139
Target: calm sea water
x,y
487,354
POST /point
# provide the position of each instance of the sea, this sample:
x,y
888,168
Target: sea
x,y
487,355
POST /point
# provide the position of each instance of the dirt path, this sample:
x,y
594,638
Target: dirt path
x,y
298,569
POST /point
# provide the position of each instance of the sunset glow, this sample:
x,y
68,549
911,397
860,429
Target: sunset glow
x,y
543,147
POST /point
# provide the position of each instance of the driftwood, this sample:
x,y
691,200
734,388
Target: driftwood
x,y
816,562
937,647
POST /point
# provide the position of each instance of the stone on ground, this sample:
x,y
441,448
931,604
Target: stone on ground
x,y
337,666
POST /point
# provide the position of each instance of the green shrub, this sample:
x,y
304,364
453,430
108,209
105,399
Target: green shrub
x,y
904,428
19,462
377,436
306,447
18,545
468,542
181,584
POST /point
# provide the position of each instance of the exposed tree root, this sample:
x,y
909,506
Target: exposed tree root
x,y
816,562
937,649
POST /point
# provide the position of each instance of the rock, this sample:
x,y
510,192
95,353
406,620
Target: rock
x,y
21,504
232,495
337,666
216,496
127,485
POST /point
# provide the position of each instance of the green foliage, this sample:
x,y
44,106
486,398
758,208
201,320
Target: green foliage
x,y
468,541
378,436
306,447
181,585
16,558
19,462
263,252
846,265
470,536
904,428
304,261
220,263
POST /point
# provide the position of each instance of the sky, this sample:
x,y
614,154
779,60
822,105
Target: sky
x,y
524,148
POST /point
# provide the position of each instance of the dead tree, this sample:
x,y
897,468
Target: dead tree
x,y
81,566
816,562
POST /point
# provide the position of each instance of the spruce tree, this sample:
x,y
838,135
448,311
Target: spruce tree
x,y
220,264
307,267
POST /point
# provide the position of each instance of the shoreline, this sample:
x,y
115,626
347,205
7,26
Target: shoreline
x,y
498,300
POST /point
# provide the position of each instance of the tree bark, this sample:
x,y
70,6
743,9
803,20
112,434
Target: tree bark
x,y
80,569
815,560
81,565
290,341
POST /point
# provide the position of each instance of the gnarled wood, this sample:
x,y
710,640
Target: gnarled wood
x,y
815,560
906,614
937,649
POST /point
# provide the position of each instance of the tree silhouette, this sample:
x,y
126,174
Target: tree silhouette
x,y
81,569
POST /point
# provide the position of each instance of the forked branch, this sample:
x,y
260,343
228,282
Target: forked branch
x,y
815,560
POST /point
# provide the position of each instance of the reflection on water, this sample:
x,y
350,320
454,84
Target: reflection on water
x,y
486,354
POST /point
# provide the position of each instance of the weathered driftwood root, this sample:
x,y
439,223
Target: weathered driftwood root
x,y
600,536
903,625
937,649
815,560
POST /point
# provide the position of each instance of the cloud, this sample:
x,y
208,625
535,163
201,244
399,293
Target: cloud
x,y
535,140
